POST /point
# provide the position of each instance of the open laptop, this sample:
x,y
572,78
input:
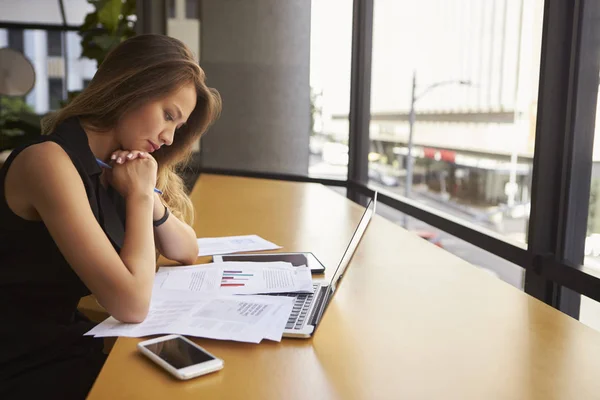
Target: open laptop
x,y
309,308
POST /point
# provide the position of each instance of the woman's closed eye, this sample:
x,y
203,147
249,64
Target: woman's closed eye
x,y
168,117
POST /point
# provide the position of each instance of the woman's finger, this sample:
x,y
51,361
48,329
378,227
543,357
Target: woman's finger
x,y
119,156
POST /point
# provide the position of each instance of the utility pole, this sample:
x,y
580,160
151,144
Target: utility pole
x,y
411,126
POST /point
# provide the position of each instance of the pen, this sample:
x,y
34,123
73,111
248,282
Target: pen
x,y
105,165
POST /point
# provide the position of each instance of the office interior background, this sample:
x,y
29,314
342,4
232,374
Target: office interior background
x,y
475,119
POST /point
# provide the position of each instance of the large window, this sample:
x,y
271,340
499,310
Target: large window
x,y
453,100
454,93
43,48
330,51
37,29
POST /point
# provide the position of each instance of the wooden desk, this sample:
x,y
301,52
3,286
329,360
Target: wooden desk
x,y
410,321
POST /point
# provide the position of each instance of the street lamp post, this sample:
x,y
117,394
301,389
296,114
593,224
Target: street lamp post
x,y
411,123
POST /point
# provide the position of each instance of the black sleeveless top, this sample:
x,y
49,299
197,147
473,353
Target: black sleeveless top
x,y
39,291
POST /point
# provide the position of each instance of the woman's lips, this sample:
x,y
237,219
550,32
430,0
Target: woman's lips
x,y
153,147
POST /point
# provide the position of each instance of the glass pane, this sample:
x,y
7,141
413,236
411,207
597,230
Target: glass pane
x,y
191,9
76,10
496,266
589,312
55,43
330,58
55,92
488,262
15,39
44,11
171,9
592,241
453,106
53,77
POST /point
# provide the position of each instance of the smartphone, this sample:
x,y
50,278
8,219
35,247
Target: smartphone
x,y
296,259
181,357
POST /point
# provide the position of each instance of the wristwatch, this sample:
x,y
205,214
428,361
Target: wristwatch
x,y
162,220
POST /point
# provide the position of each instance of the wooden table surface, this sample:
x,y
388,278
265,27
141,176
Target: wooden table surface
x,y
409,321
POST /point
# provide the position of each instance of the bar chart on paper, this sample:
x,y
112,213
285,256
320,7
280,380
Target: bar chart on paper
x,y
235,278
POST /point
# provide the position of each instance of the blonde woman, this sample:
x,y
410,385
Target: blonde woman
x,y
81,211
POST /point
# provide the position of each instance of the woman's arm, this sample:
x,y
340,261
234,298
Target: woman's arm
x,y
44,178
175,239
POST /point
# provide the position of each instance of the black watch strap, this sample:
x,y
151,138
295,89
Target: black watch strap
x,y
162,220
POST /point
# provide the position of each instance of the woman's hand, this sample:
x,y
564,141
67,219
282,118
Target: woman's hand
x,y
134,172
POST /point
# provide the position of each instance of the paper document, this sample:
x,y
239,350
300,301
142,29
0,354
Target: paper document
x,y
233,244
239,318
236,278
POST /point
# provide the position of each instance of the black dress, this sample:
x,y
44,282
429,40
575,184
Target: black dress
x,y
42,347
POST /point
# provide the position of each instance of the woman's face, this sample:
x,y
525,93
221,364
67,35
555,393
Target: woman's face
x,y
153,125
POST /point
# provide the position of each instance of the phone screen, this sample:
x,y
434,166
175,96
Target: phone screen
x,y
179,353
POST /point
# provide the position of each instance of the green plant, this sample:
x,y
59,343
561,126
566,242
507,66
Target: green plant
x,y
18,122
109,24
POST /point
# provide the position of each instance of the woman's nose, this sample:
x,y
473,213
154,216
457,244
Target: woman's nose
x,y
167,137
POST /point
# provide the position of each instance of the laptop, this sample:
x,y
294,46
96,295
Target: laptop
x,y
309,308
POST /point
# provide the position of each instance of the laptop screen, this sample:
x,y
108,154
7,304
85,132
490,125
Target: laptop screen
x,y
358,234
345,261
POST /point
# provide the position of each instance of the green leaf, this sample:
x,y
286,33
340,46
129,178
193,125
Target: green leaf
x,y
94,53
90,21
128,8
109,14
107,42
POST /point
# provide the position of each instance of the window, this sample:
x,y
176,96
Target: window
x,y
55,43
171,9
191,9
330,56
491,264
55,90
86,83
453,101
592,241
15,39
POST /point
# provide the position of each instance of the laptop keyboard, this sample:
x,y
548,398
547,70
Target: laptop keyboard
x,y
300,310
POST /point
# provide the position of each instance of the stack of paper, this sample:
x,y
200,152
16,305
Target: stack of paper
x,y
239,318
204,301
233,244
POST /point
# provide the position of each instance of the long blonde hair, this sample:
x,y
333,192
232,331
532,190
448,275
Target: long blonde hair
x,y
141,69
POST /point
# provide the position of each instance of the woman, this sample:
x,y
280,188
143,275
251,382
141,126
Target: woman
x,y
70,227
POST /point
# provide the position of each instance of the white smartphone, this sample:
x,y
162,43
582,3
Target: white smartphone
x,y
180,356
